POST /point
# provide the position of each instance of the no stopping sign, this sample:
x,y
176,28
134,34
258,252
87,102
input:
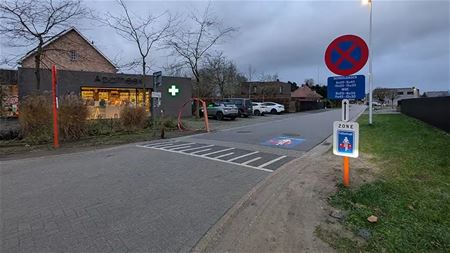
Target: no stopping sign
x,y
346,55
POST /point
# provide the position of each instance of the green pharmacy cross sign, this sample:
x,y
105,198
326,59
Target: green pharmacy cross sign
x,y
173,90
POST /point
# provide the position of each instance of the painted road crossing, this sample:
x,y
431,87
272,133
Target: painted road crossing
x,y
247,158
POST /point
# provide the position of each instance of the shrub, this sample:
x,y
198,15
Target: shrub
x,y
72,115
36,118
169,123
103,126
133,117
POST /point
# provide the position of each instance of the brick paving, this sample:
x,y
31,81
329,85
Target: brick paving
x,y
125,199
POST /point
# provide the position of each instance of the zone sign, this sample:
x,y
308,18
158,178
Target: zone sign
x,y
346,139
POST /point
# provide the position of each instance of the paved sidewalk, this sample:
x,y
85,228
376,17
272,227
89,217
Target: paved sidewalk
x,y
282,212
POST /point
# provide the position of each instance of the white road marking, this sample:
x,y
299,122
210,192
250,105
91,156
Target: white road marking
x,y
179,146
209,158
233,159
251,160
174,144
189,149
223,150
199,151
220,156
271,161
155,144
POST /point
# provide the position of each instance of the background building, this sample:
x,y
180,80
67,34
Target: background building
x,y
392,96
83,69
9,93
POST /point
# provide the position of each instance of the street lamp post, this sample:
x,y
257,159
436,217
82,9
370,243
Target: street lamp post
x,y
370,3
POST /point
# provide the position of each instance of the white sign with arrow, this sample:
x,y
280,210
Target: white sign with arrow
x,y
345,110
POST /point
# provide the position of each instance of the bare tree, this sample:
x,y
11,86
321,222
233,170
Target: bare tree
x,y
175,69
309,82
192,44
381,94
28,22
222,73
263,77
392,95
143,31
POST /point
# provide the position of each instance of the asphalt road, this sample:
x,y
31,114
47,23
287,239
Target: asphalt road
x,y
161,196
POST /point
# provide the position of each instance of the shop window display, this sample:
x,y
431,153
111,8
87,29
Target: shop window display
x,y
106,103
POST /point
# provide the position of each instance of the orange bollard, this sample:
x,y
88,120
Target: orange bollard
x,y
205,115
346,178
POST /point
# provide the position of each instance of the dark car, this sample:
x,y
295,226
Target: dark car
x,y
244,106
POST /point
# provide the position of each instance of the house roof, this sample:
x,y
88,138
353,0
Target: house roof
x,y
305,92
60,35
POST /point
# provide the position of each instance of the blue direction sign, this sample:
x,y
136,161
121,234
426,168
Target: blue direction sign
x,y
346,87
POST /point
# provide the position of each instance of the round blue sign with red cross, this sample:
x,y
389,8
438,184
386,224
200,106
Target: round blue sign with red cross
x,y
346,55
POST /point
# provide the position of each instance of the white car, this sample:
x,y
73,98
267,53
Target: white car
x,y
259,109
274,108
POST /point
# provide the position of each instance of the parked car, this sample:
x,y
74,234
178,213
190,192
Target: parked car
x,y
221,110
244,106
274,108
259,109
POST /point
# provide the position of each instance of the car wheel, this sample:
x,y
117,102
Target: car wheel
x,y
219,116
273,111
257,113
239,114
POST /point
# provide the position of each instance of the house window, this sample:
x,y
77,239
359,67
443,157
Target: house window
x,y
254,89
73,55
400,93
410,93
281,89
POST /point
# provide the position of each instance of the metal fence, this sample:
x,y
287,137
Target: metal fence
x,y
434,111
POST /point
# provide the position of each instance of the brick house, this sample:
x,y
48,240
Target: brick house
x,y
304,98
273,91
304,93
70,50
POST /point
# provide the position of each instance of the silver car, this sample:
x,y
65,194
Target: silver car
x,y
221,110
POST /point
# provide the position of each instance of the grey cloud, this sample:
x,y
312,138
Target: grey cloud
x,y
411,38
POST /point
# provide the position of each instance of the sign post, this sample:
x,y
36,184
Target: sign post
x,y
155,98
345,110
345,56
55,108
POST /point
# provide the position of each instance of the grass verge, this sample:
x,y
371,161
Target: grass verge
x,y
411,196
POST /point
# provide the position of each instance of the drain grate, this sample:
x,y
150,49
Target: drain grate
x,y
326,143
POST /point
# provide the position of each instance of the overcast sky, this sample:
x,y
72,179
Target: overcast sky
x,y
411,39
